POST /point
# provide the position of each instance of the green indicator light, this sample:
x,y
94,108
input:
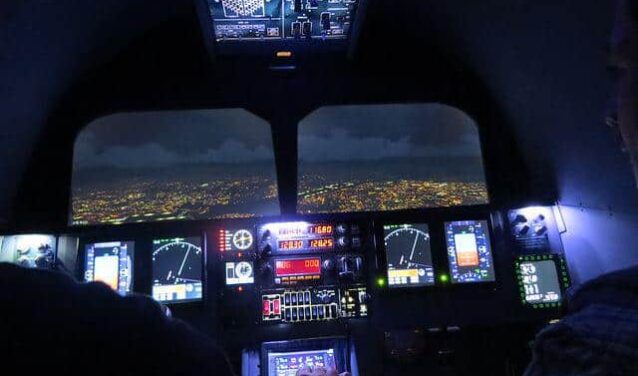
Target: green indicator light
x,y
381,282
444,278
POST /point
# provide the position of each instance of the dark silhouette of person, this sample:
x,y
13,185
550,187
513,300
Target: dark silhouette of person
x,y
49,321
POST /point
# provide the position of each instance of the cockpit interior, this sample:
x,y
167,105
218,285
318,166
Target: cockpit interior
x,y
374,187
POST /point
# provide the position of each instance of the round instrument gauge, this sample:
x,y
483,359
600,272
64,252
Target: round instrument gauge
x,y
244,270
408,247
242,239
177,262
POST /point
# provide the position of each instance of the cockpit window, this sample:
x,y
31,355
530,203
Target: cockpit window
x,y
181,165
389,157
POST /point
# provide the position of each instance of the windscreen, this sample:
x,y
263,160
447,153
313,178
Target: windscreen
x,y
182,165
389,157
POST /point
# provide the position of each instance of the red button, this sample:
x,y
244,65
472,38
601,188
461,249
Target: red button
x,y
266,308
277,309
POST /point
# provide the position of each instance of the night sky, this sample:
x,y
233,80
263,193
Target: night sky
x,y
160,139
387,131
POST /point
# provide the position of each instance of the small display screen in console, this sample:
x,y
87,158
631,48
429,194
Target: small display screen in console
x,y
541,280
409,255
177,269
110,263
288,363
469,251
239,273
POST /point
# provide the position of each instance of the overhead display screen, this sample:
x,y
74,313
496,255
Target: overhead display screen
x,y
244,20
541,280
240,273
110,263
30,251
409,255
173,165
177,269
364,158
288,363
469,251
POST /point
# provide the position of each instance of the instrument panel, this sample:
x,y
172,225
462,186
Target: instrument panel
x,y
264,20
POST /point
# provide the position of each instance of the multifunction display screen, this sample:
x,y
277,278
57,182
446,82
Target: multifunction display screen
x,y
29,251
110,263
289,363
177,269
409,255
541,279
469,251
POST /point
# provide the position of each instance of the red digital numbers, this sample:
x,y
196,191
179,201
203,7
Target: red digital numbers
x,y
308,266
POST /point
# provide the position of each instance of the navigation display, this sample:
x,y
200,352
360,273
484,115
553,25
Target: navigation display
x,y
110,263
177,269
409,255
541,280
288,363
240,273
469,251
235,20
30,251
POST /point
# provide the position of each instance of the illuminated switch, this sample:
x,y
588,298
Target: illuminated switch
x,y
294,314
321,312
307,298
301,314
293,298
300,298
288,314
307,313
314,313
266,308
277,306
287,299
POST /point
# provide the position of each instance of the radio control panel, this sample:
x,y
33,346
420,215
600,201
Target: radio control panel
x,y
299,271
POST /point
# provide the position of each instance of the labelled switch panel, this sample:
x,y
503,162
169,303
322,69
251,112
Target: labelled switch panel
x,y
533,230
313,304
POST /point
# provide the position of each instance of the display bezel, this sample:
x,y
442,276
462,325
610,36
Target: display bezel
x,y
489,234
203,241
562,273
83,266
384,252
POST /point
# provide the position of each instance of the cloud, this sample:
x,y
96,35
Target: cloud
x,y
154,155
340,145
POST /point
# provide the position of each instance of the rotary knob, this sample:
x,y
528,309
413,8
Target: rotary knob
x,y
328,265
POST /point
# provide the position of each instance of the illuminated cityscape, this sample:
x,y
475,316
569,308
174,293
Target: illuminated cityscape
x,y
367,195
147,199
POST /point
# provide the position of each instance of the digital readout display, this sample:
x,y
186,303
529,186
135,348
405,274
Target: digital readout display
x,y
290,244
315,229
294,267
321,243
